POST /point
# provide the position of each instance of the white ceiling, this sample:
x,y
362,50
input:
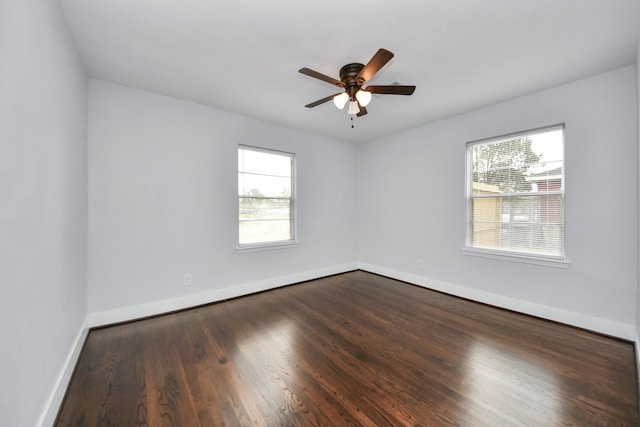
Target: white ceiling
x,y
243,56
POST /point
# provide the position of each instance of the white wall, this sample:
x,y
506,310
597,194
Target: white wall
x,y
637,337
162,203
412,206
43,215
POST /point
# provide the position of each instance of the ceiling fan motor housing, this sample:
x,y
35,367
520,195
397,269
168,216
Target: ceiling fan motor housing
x,y
348,75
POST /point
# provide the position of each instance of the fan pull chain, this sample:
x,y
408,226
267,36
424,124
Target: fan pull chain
x,y
351,122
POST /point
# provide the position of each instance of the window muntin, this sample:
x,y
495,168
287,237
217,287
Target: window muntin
x,y
515,194
265,197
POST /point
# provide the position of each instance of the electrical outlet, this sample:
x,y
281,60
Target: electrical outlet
x,y
186,281
420,263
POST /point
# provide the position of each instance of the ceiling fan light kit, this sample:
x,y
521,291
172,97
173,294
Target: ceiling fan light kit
x,y
363,97
353,107
352,78
341,100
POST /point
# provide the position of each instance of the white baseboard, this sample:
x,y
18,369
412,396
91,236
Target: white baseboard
x,y
154,308
637,353
636,347
592,323
50,412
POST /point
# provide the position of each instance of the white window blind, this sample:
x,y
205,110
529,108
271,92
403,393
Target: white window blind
x,y
515,194
265,196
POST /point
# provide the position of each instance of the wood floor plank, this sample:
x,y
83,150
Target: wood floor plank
x,y
353,349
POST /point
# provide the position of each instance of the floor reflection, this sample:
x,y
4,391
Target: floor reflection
x,y
500,383
280,331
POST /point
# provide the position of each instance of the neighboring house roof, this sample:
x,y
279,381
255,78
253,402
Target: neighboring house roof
x,y
546,175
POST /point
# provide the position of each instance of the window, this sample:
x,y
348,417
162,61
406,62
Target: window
x,y
265,197
515,194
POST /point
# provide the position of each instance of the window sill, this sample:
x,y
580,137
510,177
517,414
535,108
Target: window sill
x,y
527,259
259,247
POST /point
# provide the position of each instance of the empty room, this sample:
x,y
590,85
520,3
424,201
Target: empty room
x,y
319,213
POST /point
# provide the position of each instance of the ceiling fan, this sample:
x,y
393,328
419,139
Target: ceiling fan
x,y
352,78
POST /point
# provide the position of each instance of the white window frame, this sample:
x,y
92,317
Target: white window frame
x,y
505,254
275,244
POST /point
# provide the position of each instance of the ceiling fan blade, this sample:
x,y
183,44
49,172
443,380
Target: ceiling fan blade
x,y
311,73
378,61
362,112
391,89
321,101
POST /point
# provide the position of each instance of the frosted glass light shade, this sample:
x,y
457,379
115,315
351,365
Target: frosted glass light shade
x,y
353,107
363,97
341,100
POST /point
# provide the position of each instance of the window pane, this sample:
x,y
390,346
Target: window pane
x,y
482,188
264,231
263,185
487,235
531,224
547,179
516,200
265,163
487,209
512,164
265,190
252,209
551,209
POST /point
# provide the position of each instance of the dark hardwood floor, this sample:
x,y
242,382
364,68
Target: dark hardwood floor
x,y
353,349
